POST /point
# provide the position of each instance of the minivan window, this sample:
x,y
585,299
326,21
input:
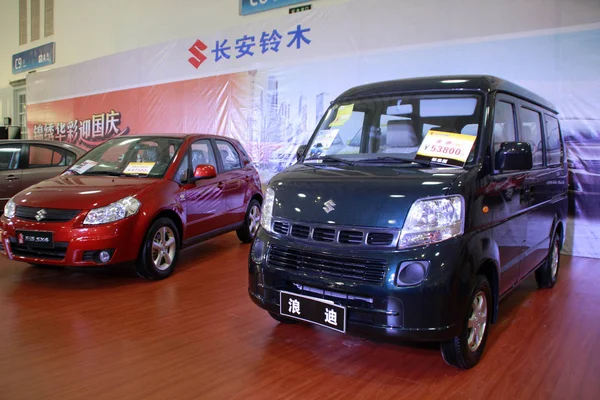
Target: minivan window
x,y
504,125
554,150
531,132
365,129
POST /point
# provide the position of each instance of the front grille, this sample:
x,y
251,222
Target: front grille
x,y
348,268
282,228
51,214
380,239
337,234
324,235
351,237
301,231
57,253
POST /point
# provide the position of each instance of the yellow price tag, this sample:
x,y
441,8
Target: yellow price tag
x,y
446,147
343,115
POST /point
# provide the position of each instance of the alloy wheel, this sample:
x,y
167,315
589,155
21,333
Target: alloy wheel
x,y
477,321
554,260
163,248
254,219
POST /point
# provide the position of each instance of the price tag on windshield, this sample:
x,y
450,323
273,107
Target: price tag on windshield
x,y
445,147
139,168
343,115
84,166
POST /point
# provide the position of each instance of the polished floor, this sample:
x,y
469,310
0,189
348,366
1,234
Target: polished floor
x,y
105,334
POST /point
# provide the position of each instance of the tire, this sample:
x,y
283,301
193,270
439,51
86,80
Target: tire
x,y
465,350
251,222
547,275
161,244
282,319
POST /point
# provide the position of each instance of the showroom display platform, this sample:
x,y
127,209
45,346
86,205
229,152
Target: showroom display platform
x,y
105,334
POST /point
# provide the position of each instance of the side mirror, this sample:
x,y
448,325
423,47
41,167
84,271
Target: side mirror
x,y
300,151
514,156
205,171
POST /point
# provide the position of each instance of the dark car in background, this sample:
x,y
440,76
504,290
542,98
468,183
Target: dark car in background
x,y
135,199
26,162
453,194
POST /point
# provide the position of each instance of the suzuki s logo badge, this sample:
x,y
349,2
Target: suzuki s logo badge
x,y
329,206
21,238
40,215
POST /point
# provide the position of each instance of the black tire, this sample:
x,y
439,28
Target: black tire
x,y
282,319
460,351
149,265
547,275
251,222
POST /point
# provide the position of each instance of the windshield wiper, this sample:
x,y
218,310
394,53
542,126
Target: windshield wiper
x,y
391,159
331,159
108,173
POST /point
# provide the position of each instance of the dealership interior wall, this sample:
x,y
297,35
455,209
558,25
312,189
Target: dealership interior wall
x,y
112,55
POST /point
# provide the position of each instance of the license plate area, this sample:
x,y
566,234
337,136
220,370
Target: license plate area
x,y
310,309
36,239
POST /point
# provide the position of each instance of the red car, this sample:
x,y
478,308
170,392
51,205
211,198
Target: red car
x,y
135,198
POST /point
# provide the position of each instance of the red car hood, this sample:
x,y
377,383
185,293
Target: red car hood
x,y
82,192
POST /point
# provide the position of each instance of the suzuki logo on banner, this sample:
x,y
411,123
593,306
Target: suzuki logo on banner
x,y
251,45
196,50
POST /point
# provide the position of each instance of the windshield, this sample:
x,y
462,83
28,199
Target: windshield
x,y
393,128
140,157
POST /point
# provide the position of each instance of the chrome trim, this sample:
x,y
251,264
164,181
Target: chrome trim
x,y
366,231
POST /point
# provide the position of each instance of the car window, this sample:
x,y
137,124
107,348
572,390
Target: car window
x,y
202,153
182,172
531,132
554,149
504,125
229,156
42,156
10,155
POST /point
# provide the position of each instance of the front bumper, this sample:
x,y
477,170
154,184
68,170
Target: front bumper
x,y
74,244
430,311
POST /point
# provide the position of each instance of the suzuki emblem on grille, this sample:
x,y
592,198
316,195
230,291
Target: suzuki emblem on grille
x,y
329,206
40,215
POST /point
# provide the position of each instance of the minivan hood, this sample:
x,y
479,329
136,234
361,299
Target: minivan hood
x,y
369,196
78,192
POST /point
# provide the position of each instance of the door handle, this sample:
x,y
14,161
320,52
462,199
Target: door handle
x,y
11,178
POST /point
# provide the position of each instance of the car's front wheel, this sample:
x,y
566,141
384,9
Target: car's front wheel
x,y
251,222
465,350
160,250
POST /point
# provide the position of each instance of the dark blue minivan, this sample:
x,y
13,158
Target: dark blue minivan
x,y
415,207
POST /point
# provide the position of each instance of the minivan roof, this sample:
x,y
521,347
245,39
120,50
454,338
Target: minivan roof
x,y
484,83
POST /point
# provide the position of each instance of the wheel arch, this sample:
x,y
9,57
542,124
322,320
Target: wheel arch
x,y
172,215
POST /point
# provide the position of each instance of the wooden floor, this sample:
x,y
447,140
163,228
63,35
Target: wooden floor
x,y
72,334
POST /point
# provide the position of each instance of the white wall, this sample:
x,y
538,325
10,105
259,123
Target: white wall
x,y
88,29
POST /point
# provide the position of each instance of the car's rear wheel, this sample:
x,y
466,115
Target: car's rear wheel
x,y
160,250
547,274
251,222
465,350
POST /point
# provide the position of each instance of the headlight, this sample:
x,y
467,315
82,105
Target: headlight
x,y
267,210
113,212
10,209
432,221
